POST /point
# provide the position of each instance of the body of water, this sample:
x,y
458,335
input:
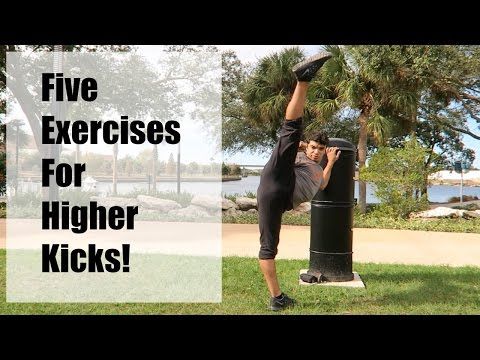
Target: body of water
x,y
436,193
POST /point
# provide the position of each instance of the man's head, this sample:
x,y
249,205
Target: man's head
x,y
316,145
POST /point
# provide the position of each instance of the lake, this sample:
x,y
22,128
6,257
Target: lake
x,y
436,193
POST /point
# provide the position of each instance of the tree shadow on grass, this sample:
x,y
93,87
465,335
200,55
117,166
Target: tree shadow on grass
x,y
424,286
393,289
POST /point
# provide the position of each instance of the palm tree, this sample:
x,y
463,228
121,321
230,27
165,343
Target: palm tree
x,y
349,80
267,92
342,85
420,80
345,82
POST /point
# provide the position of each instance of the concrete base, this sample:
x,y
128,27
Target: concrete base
x,y
355,283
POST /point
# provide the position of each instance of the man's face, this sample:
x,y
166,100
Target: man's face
x,y
315,151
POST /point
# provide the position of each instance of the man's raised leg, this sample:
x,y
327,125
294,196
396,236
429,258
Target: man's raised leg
x,y
297,102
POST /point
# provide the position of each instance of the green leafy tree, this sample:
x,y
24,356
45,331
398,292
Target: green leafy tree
x,y
128,169
171,165
346,84
393,86
225,169
206,169
235,170
433,90
3,178
444,145
193,168
34,114
266,95
397,175
194,75
144,160
95,163
239,132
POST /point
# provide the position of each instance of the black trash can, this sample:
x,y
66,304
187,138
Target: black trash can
x,y
332,218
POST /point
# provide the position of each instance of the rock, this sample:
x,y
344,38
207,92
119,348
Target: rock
x,y
191,211
228,204
148,212
232,212
438,212
162,205
471,214
245,203
206,201
114,201
252,211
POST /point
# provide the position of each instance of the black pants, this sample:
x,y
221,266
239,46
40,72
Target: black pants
x,y
274,194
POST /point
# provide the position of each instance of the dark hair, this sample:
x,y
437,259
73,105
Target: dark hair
x,y
318,136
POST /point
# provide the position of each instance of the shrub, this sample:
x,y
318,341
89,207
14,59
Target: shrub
x,y
398,175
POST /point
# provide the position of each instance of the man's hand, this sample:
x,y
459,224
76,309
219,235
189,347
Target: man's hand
x,y
332,154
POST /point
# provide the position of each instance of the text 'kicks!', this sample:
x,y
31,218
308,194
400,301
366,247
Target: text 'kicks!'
x,y
306,70
277,304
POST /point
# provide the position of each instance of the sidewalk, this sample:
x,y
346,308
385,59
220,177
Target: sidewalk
x,y
369,245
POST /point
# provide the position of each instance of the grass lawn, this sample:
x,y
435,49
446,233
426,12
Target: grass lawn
x,y
391,289
374,222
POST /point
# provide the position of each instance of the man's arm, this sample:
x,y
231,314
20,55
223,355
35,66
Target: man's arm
x,y
332,158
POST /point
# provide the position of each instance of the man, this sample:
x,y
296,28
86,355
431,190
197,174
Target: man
x,y
289,179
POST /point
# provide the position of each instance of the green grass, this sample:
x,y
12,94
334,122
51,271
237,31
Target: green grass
x,y
391,289
369,221
446,225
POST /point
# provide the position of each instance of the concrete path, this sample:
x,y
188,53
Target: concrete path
x,y
369,245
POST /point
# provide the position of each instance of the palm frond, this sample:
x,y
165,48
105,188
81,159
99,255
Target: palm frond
x,y
380,127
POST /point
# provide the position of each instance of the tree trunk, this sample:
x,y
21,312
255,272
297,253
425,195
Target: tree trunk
x,y
17,147
426,166
362,157
115,153
178,169
154,169
413,119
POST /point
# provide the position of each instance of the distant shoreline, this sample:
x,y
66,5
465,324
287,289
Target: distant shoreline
x,y
143,179
139,179
470,183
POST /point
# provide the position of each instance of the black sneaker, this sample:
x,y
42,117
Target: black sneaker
x,y
280,304
306,70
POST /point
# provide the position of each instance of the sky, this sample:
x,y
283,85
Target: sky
x,y
246,53
251,53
